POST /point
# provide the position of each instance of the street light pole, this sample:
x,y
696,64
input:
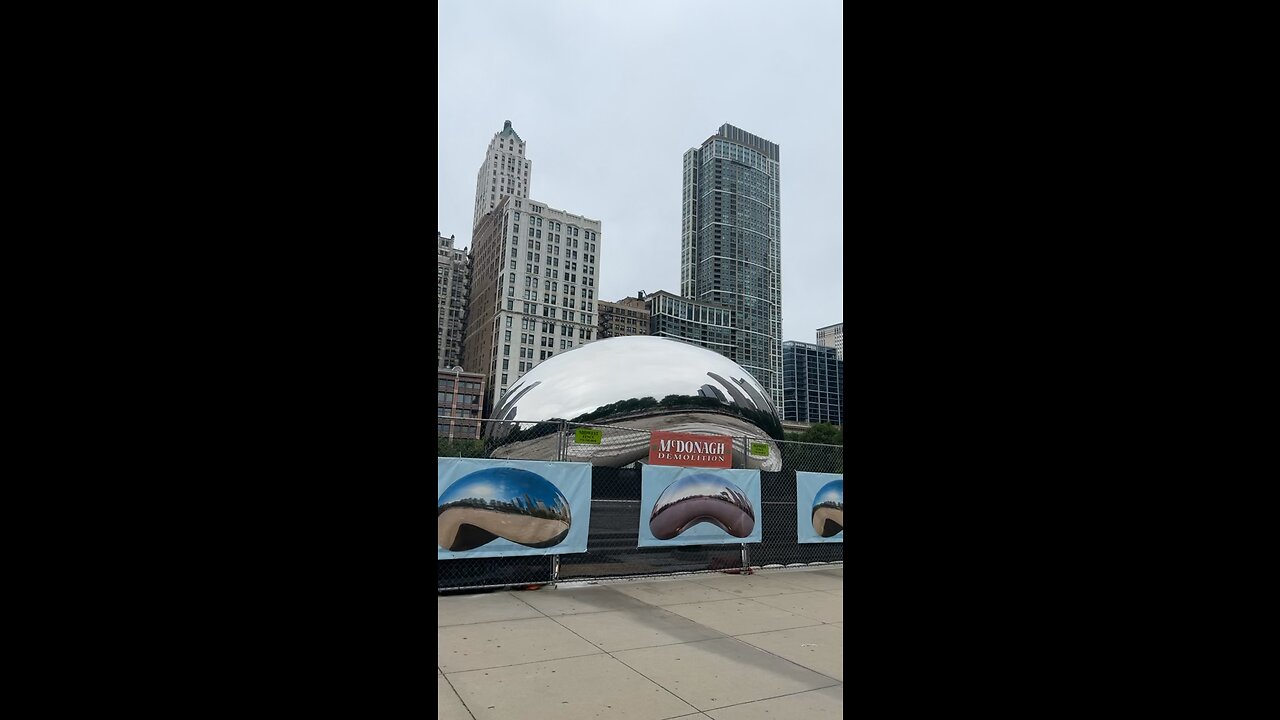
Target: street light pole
x,y
453,410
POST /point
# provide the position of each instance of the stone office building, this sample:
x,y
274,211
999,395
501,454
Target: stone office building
x,y
459,397
628,316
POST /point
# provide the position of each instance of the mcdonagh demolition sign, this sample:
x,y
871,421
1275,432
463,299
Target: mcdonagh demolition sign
x,y
668,448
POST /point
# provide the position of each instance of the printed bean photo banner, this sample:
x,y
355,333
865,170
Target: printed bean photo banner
x,y
819,507
502,508
698,506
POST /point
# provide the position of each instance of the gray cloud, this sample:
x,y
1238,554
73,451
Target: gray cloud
x,y
608,97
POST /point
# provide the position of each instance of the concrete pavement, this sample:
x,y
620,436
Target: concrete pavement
x,y
726,647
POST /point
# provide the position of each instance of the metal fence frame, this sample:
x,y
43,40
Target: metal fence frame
x,y
523,570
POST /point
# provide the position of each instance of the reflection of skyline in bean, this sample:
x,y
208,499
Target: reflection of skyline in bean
x,y
828,509
701,498
510,503
508,489
703,485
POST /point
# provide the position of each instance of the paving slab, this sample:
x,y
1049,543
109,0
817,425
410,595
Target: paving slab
x,y
569,689
819,648
811,705
824,606
651,649
448,705
629,629
735,617
715,673
751,585
462,609
507,642
812,579
671,592
572,601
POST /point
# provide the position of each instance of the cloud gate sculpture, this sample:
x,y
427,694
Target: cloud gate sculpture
x,y
500,502
628,384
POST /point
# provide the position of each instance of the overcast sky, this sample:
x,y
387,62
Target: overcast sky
x,y
609,95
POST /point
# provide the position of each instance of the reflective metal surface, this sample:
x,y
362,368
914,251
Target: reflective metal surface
x,y
641,382
506,503
701,498
828,509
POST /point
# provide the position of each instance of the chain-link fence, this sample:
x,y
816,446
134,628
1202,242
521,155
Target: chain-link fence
x,y
617,458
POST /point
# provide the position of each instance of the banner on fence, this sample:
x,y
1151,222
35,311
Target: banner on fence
x,y
502,508
698,506
819,507
683,449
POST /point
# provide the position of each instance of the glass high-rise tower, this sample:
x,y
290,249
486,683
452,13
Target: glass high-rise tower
x,y
731,244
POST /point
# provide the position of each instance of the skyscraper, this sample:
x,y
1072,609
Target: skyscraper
x,y
505,171
731,244
453,282
813,383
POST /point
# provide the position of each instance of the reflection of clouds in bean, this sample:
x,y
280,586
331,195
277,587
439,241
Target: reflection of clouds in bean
x,y
831,492
509,503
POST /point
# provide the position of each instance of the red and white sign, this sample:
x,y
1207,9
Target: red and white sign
x,y
668,448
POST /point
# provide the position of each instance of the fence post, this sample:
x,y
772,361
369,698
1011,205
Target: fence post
x,y
555,568
746,462
560,447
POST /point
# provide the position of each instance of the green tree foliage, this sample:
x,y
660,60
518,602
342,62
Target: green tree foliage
x,y
619,408
763,420
826,456
459,448
824,433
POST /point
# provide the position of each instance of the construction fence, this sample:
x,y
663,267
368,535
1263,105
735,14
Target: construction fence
x,y
615,507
